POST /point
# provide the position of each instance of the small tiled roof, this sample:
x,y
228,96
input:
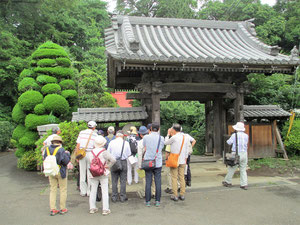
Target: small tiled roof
x,y
264,111
189,44
106,115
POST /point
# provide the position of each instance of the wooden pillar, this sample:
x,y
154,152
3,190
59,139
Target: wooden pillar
x,y
208,129
147,102
218,127
155,108
238,106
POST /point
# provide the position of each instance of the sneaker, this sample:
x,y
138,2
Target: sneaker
x,y
181,197
188,183
244,187
83,195
225,184
123,199
157,203
92,211
114,199
53,212
106,212
148,204
63,211
174,198
169,191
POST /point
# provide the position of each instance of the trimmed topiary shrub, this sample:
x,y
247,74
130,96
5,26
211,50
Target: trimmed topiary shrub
x,y
47,62
26,73
49,53
27,161
17,114
33,63
18,132
71,96
67,85
28,140
32,120
65,62
39,109
51,45
56,104
45,79
60,72
29,100
51,89
28,83
6,130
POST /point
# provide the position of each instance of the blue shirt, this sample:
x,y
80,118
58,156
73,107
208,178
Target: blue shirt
x,y
150,142
242,141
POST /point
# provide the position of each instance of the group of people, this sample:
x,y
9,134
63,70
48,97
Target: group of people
x,y
120,153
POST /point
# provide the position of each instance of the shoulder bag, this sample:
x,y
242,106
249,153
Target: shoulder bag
x,y
173,159
232,159
81,153
118,165
150,164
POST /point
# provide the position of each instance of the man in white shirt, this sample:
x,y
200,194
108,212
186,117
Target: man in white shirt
x,y
242,142
86,139
177,142
115,148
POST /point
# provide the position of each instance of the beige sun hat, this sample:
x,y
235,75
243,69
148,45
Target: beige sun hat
x,y
100,141
239,126
57,138
133,130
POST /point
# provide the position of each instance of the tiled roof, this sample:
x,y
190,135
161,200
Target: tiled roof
x,y
105,115
264,111
193,44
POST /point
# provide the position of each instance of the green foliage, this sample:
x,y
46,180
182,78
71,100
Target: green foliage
x,y
46,62
51,89
20,152
67,85
48,53
27,161
71,96
65,62
32,120
107,100
18,132
26,73
29,100
292,143
39,109
45,79
18,114
28,83
50,45
6,130
56,104
59,72
27,141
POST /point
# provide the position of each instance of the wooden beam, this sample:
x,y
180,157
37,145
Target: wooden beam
x,y
155,108
238,107
278,137
198,87
218,131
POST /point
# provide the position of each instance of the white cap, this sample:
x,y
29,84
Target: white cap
x,y
92,124
111,129
239,126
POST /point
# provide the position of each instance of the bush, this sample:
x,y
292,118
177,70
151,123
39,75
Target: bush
x,y
33,63
28,140
26,73
51,89
45,79
107,100
46,62
67,85
71,96
29,100
65,62
17,114
51,45
18,132
20,152
48,53
39,109
28,161
292,143
32,120
28,83
6,130
56,104
59,72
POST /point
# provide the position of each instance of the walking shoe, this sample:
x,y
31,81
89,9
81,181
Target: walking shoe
x,y
123,199
174,198
63,211
157,203
106,212
148,204
114,199
83,195
181,197
188,183
53,212
244,187
169,191
92,211
225,184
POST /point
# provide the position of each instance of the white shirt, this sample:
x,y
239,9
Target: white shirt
x,y
242,141
141,150
176,142
83,138
115,148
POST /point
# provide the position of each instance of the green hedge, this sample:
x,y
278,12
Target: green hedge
x,y
28,140
28,83
49,53
56,104
20,152
33,63
71,96
59,72
39,109
46,79
6,130
18,132
292,143
46,62
51,89
28,161
32,120
65,62
51,45
67,85
26,73
29,100
17,114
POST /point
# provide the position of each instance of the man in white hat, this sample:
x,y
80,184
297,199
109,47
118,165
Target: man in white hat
x,y
86,139
242,144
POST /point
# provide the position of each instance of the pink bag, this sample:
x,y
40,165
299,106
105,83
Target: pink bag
x,y
97,168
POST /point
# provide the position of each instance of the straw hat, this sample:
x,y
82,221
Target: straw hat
x,y
57,138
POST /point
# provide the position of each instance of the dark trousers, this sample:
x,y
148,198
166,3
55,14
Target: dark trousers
x,y
188,176
157,179
123,179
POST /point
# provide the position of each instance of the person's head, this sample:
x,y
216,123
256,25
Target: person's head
x,y
111,130
143,131
239,126
56,130
132,130
120,134
155,127
92,125
100,141
100,132
176,127
57,140
149,127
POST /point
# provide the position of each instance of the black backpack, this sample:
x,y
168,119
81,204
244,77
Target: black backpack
x,y
133,144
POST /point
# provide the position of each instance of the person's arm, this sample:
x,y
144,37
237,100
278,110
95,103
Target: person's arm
x,y
109,158
65,157
140,153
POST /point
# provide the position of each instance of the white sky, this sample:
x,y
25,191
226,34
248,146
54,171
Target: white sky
x,y
112,3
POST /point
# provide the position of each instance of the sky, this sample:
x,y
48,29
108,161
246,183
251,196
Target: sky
x,y
112,3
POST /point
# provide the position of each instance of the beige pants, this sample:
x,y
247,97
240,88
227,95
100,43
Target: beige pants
x,y
54,180
178,174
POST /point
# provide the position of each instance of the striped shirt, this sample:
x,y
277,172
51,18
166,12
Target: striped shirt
x,y
83,137
242,141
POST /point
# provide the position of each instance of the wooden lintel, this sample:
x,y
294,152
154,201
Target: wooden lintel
x,y
130,96
198,87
